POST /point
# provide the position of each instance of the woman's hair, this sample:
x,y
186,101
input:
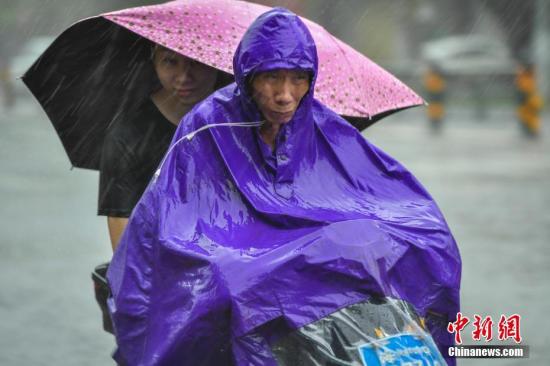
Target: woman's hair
x,y
223,78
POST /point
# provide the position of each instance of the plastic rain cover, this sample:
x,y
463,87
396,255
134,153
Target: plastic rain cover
x,y
227,261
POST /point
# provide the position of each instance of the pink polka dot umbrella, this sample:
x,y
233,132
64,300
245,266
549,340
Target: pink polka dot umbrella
x,y
209,31
100,66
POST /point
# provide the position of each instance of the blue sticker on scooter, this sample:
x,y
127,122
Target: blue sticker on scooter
x,y
401,350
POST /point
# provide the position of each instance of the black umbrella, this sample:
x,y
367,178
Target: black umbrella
x,y
90,73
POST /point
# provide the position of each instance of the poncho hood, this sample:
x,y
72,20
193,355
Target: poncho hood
x,y
232,247
278,39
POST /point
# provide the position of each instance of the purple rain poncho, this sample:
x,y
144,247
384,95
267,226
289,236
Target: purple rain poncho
x,y
224,254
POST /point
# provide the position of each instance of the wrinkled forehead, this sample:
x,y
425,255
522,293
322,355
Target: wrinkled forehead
x,y
281,73
281,66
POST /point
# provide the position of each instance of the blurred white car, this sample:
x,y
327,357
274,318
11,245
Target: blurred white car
x,y
476,69
469,55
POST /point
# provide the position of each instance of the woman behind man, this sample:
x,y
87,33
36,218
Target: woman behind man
x,y
137,141
139,137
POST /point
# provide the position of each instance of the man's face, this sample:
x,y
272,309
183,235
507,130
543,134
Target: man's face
x,y
187,80
278,93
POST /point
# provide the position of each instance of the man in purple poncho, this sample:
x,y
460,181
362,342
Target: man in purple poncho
x,y
250,233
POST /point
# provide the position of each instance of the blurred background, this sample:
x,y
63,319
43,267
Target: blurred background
x,y
480,147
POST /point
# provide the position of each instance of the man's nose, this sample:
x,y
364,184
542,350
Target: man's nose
x,y
284,92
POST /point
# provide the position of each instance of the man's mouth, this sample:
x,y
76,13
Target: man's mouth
x,y
287,114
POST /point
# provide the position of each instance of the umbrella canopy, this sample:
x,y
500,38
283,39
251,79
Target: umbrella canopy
x,y
95,68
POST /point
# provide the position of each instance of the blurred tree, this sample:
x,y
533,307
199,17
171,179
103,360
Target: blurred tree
x,y
517,19
13,19
13,23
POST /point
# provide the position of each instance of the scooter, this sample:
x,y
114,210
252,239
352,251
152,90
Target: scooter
x,y
378,332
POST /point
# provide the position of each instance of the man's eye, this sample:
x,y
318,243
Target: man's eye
x,y
300,78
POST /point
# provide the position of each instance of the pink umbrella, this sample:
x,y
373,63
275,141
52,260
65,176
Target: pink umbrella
x,y
98,67
210,31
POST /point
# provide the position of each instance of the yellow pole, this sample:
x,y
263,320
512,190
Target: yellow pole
x,y
530,100
435,86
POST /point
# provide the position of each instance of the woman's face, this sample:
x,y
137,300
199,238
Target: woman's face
x,y
187,80
278,93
